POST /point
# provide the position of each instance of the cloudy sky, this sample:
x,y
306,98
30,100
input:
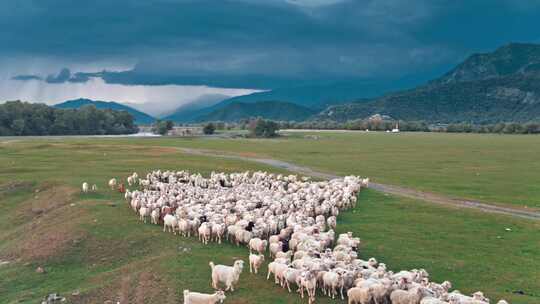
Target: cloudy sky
x,y
170,52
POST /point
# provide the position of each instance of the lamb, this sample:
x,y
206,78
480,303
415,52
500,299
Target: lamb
x,y
227,275
412,296
85,187
112,183
202,298
255,262
94,188
257,245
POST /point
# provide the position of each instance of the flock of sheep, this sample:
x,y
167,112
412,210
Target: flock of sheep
x,y
295,220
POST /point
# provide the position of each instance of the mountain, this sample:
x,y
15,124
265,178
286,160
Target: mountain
x,y
190,111
140,117
275,110
315,97
501,86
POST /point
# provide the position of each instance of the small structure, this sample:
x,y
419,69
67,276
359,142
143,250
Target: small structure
x,y
185,131
396,129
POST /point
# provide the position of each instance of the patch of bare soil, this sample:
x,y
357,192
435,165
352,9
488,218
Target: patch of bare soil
x,y
7,188
130,286
48,199
50,225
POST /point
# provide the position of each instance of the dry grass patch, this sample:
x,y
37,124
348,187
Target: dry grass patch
x,y
136,282
48,225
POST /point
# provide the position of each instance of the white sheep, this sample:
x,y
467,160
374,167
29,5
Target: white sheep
x,y
277,269
432,300
412,296
255,262
359,295
331,282
144,212
112,183
205,232
94,188
202,298
154,216
257,245
85,187
275,247
227,275
169,223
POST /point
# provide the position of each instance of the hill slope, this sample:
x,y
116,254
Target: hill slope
x,y
315,97
276,110
188,112
140,117
500,86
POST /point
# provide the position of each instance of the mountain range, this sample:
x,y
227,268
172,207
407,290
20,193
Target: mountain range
x,y
140,117
499,86
275,110
313,97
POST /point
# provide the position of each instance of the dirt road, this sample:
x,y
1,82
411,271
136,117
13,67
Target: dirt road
x,y
390,189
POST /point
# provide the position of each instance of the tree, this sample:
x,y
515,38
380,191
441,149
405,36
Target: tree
x,y
162,127
209,129
22,118
263,128
18,126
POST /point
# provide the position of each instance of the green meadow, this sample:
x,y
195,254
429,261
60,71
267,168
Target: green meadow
x,y
93,245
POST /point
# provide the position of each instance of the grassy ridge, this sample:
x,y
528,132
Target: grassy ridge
x,y
112,255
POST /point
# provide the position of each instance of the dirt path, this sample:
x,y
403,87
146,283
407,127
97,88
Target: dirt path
x,y
394,190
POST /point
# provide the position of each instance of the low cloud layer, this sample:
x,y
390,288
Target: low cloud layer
x,y
154,100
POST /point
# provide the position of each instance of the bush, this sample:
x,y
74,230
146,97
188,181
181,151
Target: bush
x,y
209,129
263,128
162,127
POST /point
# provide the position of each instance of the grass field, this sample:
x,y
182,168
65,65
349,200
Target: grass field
x,y
487,167
97,246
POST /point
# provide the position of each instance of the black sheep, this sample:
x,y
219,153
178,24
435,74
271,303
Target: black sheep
x,y
250,226
285,245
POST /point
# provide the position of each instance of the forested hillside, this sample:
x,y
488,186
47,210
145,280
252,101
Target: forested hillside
x,y
501,86
23,118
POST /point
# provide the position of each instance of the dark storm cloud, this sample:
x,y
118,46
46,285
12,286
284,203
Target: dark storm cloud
x,y
262,43
26,77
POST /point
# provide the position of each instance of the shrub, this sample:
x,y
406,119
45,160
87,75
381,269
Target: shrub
x,y
209,129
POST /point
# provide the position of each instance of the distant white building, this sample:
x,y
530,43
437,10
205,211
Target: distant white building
x,y
396,129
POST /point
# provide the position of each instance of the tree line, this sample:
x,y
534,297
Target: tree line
x,y
416,126
23,118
